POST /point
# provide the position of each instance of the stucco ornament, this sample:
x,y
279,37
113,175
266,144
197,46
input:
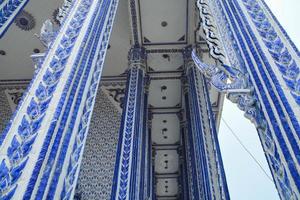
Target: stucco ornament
x,y
223,78
47,34
63,11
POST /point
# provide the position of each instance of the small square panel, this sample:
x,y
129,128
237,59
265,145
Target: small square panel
x,y
167,187
165,93
165,129
165,61
166,161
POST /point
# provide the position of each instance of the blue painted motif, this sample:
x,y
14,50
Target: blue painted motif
x,y
281,55
134,21
63,11
76,91
219,76
125,181
279,176
281,28
8,11
75,159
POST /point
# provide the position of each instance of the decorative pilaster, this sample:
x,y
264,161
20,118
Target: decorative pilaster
x,y
129,173
203,157
154,180
42,146
183,162
258,47
193,174
147,147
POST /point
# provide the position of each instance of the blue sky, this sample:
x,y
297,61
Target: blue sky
x,y
246,181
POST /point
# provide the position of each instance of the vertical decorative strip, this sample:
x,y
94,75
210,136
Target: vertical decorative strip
x,y
215,141
183,163
134,21
126,183
144,147
208,178
150,163
150,176
192,170
283,54
70,178
25,128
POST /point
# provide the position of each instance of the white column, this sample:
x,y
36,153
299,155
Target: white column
x,y
41,149
206,173
267,61
127,175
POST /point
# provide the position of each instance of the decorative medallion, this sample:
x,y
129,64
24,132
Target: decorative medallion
x,y
25,21
55,16
2,53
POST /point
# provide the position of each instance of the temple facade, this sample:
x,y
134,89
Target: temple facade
x,y
109,99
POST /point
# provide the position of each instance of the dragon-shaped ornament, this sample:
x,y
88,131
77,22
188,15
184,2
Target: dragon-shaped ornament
x,y
47,34
224,78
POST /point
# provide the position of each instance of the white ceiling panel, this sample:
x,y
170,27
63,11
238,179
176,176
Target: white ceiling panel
x,y
165,129
169,97
171,13
166,161
167,187
164,61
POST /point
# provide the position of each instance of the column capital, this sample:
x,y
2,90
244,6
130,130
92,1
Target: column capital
x,y
187,52
137,56
187,56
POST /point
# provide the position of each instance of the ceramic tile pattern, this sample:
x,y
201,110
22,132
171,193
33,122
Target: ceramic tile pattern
x,y
96,173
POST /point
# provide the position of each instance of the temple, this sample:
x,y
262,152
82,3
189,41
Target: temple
x,y
109,99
